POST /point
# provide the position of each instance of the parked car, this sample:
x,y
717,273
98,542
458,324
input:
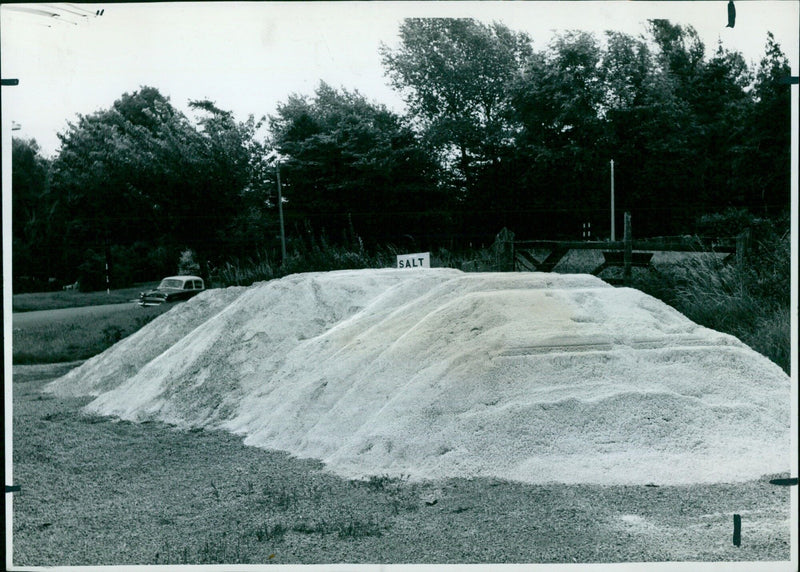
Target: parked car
x,y
172,289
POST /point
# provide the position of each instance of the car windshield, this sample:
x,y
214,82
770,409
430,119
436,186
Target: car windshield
x,y
170,283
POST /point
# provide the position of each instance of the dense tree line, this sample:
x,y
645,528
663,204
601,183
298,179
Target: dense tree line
x,y
496,134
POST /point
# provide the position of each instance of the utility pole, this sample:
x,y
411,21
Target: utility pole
x,y
612,201
627,255
280,210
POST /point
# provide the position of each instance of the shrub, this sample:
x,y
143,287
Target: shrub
x,y
91,272
187,263
730,222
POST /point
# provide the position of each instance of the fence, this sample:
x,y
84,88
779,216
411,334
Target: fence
x,y
516,255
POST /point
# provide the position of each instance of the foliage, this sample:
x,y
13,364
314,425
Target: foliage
x,y
140,171
763,164
455,75
563,135
730,222
353,166
751,302
31,246
187,264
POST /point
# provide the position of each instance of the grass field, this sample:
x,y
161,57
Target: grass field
x,y
74,299
81,337
97,491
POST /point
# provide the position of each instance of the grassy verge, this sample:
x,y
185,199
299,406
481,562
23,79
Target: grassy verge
x,y
80,337
95,491
74,299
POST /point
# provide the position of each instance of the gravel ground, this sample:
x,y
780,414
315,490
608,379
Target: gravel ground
x,y
97,491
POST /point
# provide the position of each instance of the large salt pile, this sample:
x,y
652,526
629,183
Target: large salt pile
x,y
437,373
108,369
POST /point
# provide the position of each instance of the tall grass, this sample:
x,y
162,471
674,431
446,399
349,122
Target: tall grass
x,y
750,301
323,256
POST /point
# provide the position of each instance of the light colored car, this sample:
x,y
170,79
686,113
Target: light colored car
x,y
172,289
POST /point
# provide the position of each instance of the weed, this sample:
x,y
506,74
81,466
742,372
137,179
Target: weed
x,y
266,532
320,256
214,491
360,529
92,418
280,499
380,482
352,527
221,549
112,334
245,272
398,495
305,527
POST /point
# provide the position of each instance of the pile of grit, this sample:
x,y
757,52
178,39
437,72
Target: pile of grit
x,y
435,373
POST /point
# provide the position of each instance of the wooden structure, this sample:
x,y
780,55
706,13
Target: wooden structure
x,y
627,253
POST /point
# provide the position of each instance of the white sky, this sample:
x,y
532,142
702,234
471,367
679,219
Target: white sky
x,y
247,57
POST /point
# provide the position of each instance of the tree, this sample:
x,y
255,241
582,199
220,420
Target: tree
x,y
559,104
349,162
454,75
649,128
680,52
142,172
721,109
765,161
29,181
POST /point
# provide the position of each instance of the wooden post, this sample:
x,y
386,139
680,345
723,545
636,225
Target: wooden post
x,y
628,255
737,530
613,234
504,251
742,241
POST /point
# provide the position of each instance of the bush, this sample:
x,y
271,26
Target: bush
x,y
245,273
730,222
92,272
187,263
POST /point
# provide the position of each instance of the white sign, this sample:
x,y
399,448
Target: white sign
x,y
417,260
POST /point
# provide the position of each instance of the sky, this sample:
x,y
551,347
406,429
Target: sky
x,y
249,57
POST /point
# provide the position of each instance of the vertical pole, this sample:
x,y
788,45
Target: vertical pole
x,y
108,264
628,255
613,234
280,211
741,247
737,530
